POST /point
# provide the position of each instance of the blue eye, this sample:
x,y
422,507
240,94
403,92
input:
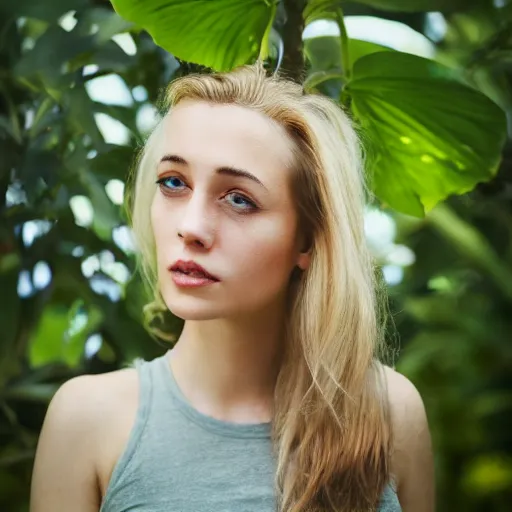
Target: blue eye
x,y
241,203
171,182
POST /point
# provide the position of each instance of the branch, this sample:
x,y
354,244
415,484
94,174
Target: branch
x,y
293,58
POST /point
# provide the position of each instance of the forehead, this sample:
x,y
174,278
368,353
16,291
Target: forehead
x,y
219,135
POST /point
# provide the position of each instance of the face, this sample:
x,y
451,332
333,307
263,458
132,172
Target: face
x,y
223,201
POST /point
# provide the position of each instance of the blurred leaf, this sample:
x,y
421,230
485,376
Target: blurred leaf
x,y
103,23
488,474
31,392
39,170
10,310
106,214
61,335
11,487
472,245
49,11
321,10
47,344
125,115
114,162
406,106
45,65
84,321
220,34
106,354
110,57
421,5
81,114
324,52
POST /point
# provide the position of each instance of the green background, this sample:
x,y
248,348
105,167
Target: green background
x,y
439,161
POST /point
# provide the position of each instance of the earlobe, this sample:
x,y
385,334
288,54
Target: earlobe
x,y
304,260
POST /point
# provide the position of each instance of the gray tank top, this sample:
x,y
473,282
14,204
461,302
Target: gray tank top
x,y
180,460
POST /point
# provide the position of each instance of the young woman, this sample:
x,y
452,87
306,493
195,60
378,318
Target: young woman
x,y
248,211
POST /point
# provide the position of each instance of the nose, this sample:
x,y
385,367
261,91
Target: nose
x,y
196,224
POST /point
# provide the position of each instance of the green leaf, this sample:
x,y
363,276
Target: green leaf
x,y
106,214
49,11
113,162
430,135
31,392
221,34
45,66
320,10
47,343
421,5
10,314
103,23
61,336
81,114
323,53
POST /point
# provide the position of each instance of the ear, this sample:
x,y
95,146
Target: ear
x,y
304,260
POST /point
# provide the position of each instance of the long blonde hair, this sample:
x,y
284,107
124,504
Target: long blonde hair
x,y
331,429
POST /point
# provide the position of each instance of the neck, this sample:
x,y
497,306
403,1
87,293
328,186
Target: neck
x,y
227,368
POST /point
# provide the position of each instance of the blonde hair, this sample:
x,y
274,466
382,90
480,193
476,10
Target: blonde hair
x,y
331,429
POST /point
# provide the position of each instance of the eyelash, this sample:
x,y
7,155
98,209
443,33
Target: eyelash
x,y
168,191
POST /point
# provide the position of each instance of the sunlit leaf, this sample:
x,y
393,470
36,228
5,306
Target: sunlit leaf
x,y
429,136
221,34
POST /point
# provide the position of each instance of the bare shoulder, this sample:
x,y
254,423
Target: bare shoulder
x,y
404,399
95,394
412,459
91,402
87,422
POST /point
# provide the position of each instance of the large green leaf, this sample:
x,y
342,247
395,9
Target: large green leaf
x,y
221,34
420,5
429,135
323,55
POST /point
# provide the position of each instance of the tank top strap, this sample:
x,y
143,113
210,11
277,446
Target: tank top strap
x,y
145,370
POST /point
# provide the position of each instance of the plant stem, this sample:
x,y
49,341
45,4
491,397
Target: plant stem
x,y
293,58
345,55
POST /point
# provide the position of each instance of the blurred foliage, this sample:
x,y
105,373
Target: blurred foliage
x,y
70,301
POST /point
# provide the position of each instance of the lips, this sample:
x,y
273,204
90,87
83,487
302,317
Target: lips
x,y
192,269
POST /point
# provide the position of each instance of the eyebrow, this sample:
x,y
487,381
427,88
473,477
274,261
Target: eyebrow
x,y
224,170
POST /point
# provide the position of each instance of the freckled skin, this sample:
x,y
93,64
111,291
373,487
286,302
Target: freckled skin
x,y
252,254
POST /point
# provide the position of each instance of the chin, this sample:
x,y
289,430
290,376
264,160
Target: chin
x,y
191,308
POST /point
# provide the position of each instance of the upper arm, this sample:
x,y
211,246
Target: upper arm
x,y
412,458
64,476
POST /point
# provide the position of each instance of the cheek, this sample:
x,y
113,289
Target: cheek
x,y
161,230
267,249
